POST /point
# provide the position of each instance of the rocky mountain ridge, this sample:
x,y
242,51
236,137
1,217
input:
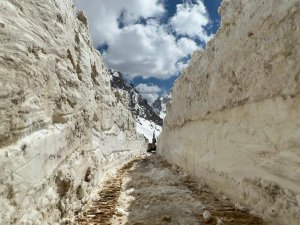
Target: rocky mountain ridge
x,y
147,121
138,105
160,105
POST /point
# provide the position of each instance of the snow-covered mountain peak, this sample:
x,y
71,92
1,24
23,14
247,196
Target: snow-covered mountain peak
x,y
160,105
147,119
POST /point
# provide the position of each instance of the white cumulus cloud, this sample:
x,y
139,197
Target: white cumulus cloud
x,y
182,65
149,92
190,20
148,49
103,15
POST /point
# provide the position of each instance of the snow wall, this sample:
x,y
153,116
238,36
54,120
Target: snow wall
x,y
235,115
62,129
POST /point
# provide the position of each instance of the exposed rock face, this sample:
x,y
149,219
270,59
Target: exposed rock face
x,y
138,105
234,116
160,105
61,127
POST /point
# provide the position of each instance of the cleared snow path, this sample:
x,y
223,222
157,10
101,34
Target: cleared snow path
x,y
149,191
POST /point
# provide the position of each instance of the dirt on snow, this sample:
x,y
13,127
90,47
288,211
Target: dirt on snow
x,y
149,191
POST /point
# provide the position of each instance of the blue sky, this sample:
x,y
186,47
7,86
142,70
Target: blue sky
x,y
212,8
150,41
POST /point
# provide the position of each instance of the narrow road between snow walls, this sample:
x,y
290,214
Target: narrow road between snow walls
x,y
149,191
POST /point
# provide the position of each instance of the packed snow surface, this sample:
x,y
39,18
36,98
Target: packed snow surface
x,y
147,128
62,128
149,191
234,115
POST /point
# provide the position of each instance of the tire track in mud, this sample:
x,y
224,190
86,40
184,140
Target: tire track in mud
x,y
172,198
219,206
102,209
223,211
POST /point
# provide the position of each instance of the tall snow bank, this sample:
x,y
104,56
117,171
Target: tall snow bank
x,y
234,117
61,128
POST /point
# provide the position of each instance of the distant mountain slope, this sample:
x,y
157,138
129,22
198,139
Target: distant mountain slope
x,y
160,105
146,118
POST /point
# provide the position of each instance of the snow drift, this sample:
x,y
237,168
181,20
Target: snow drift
x,y
62,130
234,116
